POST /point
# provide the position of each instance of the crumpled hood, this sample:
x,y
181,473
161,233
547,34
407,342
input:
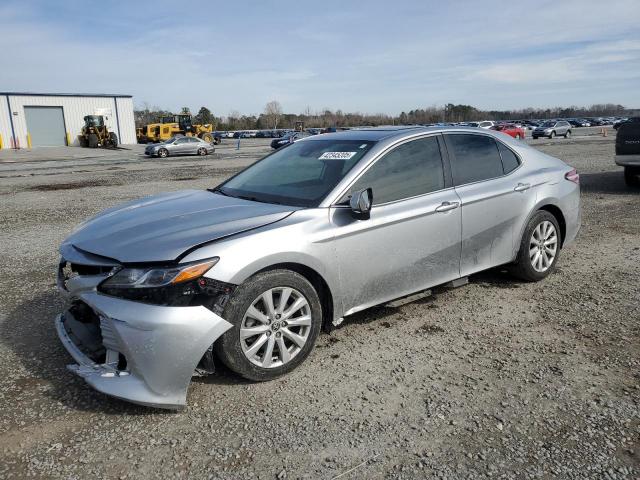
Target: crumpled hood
x,y
162,227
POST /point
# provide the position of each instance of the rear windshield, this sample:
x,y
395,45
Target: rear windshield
x,y
301,174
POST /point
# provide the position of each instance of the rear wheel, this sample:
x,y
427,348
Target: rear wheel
x,y
632,176
113,139
539,248
202,151
83,141
163,153
568,134
276,319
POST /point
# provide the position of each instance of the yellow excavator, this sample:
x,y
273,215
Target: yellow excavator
x,y
173,125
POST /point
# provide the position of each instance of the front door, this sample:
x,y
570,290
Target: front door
x,y
411,240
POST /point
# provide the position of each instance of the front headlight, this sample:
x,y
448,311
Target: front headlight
x,y
153,277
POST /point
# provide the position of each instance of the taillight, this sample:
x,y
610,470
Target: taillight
x,y
573,176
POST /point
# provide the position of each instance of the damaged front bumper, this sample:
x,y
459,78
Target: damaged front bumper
x,y
139,352
151,351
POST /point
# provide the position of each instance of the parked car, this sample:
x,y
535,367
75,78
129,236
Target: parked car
x,y
311,234
288,138
628,150
552,128
510,129
486,124
179,146
619,122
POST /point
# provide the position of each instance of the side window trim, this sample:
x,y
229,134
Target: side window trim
x,y
443,158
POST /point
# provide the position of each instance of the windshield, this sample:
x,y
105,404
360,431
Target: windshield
x,y
93,120
548,124
300,174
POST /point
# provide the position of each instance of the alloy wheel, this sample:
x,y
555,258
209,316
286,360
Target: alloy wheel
x,y
275,327
543,246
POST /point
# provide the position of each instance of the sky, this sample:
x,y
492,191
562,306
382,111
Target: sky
x,y
358,56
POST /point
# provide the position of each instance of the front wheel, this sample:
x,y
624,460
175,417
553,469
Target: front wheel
x,y
539,248
163,153
276,317
552,134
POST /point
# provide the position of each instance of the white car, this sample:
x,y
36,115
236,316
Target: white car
x,y
486,124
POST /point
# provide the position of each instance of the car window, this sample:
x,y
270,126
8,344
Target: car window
x,y
301,174
411,169
182,140
509,159
476,158
194,140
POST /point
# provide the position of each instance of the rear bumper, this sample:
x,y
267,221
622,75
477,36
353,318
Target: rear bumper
x,y
162,347
573,221
628,160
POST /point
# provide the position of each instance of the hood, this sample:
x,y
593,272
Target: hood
x,y
162,227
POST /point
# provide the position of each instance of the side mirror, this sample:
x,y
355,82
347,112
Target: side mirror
x,y
360,204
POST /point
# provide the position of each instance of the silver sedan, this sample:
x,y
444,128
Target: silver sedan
x,y
249,272
179,146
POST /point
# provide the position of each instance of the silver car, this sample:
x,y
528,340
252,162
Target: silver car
x,y
179,146
552,128
249,272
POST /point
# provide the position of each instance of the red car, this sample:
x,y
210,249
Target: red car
x,y
510,129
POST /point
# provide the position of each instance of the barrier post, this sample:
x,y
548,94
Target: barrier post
x,y
68,140
0,142
28,139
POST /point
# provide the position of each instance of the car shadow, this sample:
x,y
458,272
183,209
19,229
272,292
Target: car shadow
x,y
606,183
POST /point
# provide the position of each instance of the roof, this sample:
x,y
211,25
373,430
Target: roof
x,y
32,94
373,133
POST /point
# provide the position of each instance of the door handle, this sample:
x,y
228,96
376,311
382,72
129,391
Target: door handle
x,y
446,206
521,187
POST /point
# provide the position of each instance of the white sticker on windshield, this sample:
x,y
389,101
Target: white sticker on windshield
x,y
336,155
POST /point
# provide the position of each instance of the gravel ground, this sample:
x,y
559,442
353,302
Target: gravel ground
x,y
493,379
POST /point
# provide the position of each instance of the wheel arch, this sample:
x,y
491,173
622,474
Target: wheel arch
x,y
319,284
557,213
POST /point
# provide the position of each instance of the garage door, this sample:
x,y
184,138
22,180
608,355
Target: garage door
x,y
46,126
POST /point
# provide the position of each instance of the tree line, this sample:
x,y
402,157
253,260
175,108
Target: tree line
x,y
273,117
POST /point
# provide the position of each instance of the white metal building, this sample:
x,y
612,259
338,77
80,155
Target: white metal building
x,y
55,119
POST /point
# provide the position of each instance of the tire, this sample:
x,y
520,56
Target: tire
x,y
113,138
534,137
202,152
163,153
230,348
92,141
518,137
207,137
523,267
83,141
568,134
632,176
552,134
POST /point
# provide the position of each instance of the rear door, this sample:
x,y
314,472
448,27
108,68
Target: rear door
x,y
495,197
412,239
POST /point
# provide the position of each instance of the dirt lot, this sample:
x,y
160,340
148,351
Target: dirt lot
x,y
493,379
